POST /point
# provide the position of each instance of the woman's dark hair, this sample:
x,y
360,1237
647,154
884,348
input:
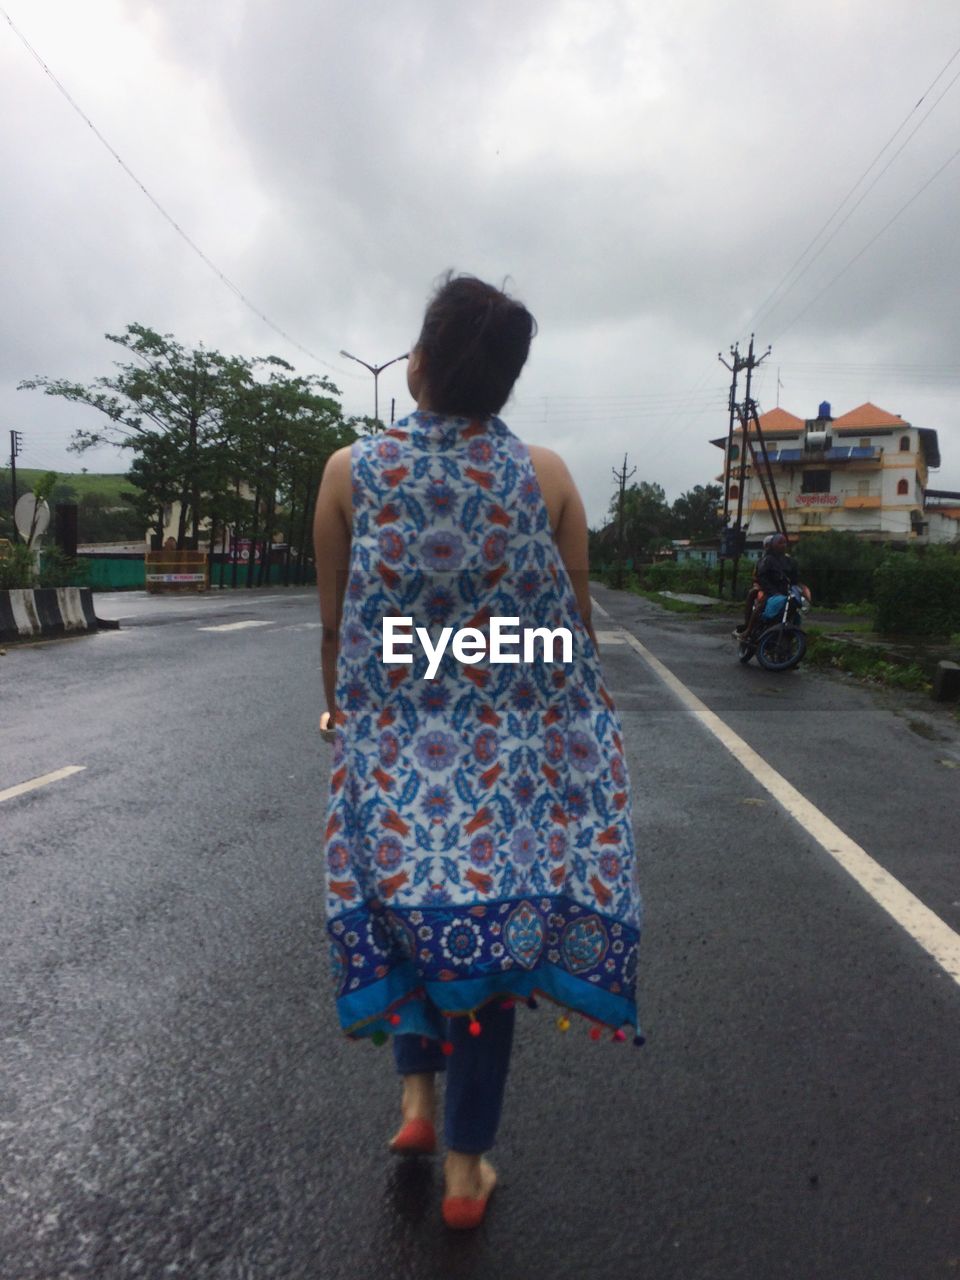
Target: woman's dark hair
x,y
473,344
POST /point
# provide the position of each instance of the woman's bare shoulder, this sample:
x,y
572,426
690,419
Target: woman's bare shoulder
x,y
549,465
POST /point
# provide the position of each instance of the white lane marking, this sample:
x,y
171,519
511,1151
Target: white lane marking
x,y
610,637
238,626
923,925
23,787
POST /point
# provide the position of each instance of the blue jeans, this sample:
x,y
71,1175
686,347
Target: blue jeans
x,y
476,1074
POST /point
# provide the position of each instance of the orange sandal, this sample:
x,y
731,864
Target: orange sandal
x,y
463,1213
416,1138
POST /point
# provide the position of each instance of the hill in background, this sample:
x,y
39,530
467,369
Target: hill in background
x,y
102,513
105,484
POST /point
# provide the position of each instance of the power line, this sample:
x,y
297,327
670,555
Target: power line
x,y
235,289
850,193
872,241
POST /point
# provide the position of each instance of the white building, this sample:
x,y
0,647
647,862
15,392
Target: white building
x,y
866,472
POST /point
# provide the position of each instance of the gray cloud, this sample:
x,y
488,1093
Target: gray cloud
x,y
645,174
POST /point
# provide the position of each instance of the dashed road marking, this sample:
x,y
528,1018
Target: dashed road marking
x,y
238,626
923,925
44,780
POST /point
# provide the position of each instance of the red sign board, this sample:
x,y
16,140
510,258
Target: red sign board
x,y
241,549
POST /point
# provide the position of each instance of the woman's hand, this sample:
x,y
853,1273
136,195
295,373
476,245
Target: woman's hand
x,y
327,731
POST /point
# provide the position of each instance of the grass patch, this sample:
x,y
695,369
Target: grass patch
x,y
665,602
104,484
862,609
854,628
832,654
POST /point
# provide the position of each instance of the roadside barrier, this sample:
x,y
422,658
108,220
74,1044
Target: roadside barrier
x,y
169,571
26,613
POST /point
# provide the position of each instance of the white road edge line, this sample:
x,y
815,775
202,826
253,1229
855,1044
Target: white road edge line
x,y
238,626
923,925
23,787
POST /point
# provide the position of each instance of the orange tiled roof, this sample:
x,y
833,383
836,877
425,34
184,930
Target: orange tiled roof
x,y
778,420
868,415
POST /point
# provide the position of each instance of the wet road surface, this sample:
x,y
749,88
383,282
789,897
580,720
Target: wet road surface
x,y
175,1097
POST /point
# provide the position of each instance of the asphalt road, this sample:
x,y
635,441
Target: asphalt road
x,y
175,1097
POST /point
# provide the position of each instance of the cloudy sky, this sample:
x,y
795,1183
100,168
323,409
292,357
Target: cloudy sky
x,y
645,172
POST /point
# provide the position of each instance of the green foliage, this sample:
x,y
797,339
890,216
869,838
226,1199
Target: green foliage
x,y
696,514
16,567
58,570
230,439
690,577
918,592
76,486
838,567
646,517
863,662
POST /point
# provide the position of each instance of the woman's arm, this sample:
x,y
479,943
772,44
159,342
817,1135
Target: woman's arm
x,y
332,526
569,520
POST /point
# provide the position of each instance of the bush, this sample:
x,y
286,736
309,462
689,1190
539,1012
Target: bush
x,y
864,663
692,577
16,567
918,592
838,567
58,570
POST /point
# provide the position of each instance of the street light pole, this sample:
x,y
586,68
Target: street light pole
x,y
376,370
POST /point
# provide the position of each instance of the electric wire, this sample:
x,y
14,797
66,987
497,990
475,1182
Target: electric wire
x,y
870,243
235,289
763,306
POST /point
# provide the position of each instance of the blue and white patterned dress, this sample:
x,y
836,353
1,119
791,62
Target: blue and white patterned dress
x,y
478,837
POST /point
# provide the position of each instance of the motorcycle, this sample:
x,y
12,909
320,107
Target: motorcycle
x,y
777,637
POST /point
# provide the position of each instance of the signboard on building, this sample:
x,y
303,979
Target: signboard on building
x,y
818,499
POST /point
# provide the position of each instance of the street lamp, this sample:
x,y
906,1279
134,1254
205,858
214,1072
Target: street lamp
x,y
376,370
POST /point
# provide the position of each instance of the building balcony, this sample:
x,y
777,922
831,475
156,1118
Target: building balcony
x,y
863,502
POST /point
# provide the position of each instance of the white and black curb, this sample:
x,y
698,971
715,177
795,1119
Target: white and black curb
x,y
28,613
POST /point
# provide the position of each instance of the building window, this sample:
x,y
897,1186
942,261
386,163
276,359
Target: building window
x,y
815,482
903,486
904,444
734,452
863,488
734,491
865,442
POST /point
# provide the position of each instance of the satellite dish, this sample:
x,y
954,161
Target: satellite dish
x,y
29,515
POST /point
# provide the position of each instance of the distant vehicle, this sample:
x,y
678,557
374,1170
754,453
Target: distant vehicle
x,y
777,637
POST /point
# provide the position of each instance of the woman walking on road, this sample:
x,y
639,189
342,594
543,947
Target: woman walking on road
x,y
478,839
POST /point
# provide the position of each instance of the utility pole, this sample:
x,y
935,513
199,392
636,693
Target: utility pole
x,y
734,538
622,477
16,447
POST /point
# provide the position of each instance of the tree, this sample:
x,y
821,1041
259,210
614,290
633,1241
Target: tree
x,y
168,394
646,519
279,432
208,431
696,513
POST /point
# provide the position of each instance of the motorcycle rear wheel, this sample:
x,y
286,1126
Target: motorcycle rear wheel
x,y
781,648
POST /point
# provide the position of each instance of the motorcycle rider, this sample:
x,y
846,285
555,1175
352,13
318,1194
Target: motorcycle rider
x,y
777,572
774,575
